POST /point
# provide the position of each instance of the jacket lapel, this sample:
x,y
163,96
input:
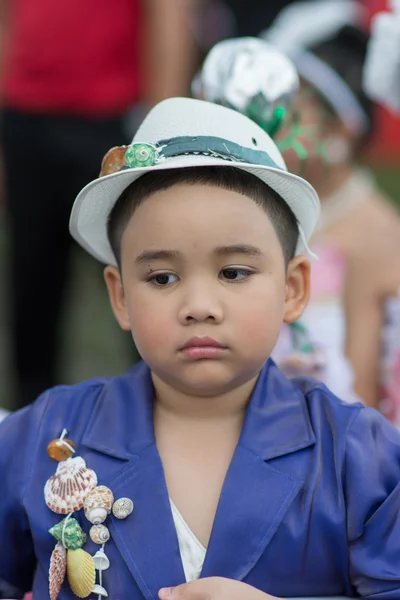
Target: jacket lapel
x,y
127,461
255,495
147,540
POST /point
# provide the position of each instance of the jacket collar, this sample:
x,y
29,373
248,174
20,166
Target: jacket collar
x,y
276,421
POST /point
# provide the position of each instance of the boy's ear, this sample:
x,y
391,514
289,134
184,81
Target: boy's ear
x,y
297,291
116,294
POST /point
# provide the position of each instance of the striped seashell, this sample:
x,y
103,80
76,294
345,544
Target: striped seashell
x,y
99,534
67,489
58,567
98,504
81,572
122,508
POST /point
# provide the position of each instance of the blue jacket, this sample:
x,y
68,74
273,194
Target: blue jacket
x,y
310,503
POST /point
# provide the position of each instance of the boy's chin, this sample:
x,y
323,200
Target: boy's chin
x,y
210,378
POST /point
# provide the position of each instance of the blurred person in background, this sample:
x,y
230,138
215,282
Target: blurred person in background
x,y
71,73
348,335
355,305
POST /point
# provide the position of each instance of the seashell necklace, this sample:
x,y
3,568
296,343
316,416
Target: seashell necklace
x,y
74,487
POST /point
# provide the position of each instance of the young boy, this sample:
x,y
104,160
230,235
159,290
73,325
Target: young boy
x,y
262,485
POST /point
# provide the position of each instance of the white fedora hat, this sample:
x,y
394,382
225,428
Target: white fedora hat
x,y
179,133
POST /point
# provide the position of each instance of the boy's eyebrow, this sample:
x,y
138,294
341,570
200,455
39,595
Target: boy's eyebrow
x,y
247,249
149,255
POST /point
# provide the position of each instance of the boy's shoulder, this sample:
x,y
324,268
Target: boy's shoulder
x,y
314,390
91,390
345,421
71,394
81,400
309,396
320,400
70,402
72,407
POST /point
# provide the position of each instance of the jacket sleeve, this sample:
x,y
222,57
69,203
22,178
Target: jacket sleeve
x,y
18,438
372,495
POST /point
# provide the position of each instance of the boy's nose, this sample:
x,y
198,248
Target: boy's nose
x,y
200,306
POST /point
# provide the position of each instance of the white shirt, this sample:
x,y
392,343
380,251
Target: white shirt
x,y
192,550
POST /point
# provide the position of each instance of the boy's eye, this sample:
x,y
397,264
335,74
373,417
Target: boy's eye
x,y
233,274
163,279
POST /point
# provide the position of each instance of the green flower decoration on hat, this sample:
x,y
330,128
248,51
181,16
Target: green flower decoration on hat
x,y
141,155
69,533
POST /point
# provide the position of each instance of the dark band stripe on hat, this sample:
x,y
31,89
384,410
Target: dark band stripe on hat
x,y
213,146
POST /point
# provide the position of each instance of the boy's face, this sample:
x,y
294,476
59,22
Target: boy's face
x,y
204,262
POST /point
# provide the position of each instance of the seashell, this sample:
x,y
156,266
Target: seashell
x,y
61,449
58,567
141,155
71,531
113,161
99,590
101,561
81,572
66,490
122,508
96,515
98,504
99,534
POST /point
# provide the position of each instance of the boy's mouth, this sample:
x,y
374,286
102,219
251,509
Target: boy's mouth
x,y
203,347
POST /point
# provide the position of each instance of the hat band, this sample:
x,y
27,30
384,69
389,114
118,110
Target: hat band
x,y
215,147
143,154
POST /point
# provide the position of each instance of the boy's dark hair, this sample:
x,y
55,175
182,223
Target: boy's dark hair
x,y
228,178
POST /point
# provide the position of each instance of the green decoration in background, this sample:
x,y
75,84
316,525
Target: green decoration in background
x,y
300,338
256,111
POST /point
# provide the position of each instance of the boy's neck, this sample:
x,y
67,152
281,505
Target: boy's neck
x,y
229,406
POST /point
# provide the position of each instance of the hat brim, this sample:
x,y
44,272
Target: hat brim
x,y
91,209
